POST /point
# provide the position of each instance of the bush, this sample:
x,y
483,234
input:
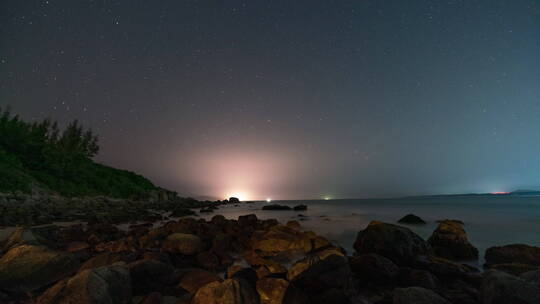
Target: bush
x,y
60,160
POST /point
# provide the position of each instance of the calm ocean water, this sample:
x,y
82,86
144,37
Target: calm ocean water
x,y
489,221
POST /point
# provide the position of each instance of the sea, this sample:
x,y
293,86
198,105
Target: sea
x,y
488,220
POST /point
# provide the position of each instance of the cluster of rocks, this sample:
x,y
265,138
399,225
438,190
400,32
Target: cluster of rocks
x,y
252,261
23,209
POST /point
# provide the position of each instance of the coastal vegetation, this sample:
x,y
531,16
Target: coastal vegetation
x,y
42,155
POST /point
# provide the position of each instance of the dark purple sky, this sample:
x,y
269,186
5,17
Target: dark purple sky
x,y
289,99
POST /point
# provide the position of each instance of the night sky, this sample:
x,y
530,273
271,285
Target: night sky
x,y
289,99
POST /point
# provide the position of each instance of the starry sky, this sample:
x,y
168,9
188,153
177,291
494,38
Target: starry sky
x,y
289,99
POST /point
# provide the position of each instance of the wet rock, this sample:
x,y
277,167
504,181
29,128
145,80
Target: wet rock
x,y
411,219
187,244
516,253
272,290
28,267
276,207
374,268
450,241
300,208
109,284
417,295
193,280
229,291
397,243
501,288
234,200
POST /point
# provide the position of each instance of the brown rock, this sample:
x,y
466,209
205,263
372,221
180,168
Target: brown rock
x,y
321,271
149,275
450,241
397,243
502,288
516,253
272,290
232,270
514,268
373,267
187,244
197,278
27,267
280,238
104,259
255,260
226,292
293,225
77,247
109,284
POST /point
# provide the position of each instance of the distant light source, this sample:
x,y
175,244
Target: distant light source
x,y
500,193
268,200
327,198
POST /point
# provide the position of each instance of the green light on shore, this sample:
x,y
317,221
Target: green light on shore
x,y
327,198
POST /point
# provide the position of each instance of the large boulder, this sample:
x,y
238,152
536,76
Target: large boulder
x,y
502,288
234,200
230,291
450,241
149,275
397,243
280,238
417,295
321,271
24,236
102,285
515,253
374,268
187,244
27,267
272,290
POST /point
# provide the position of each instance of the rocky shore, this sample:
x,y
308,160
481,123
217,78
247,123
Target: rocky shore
x,y
46,208
251,261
